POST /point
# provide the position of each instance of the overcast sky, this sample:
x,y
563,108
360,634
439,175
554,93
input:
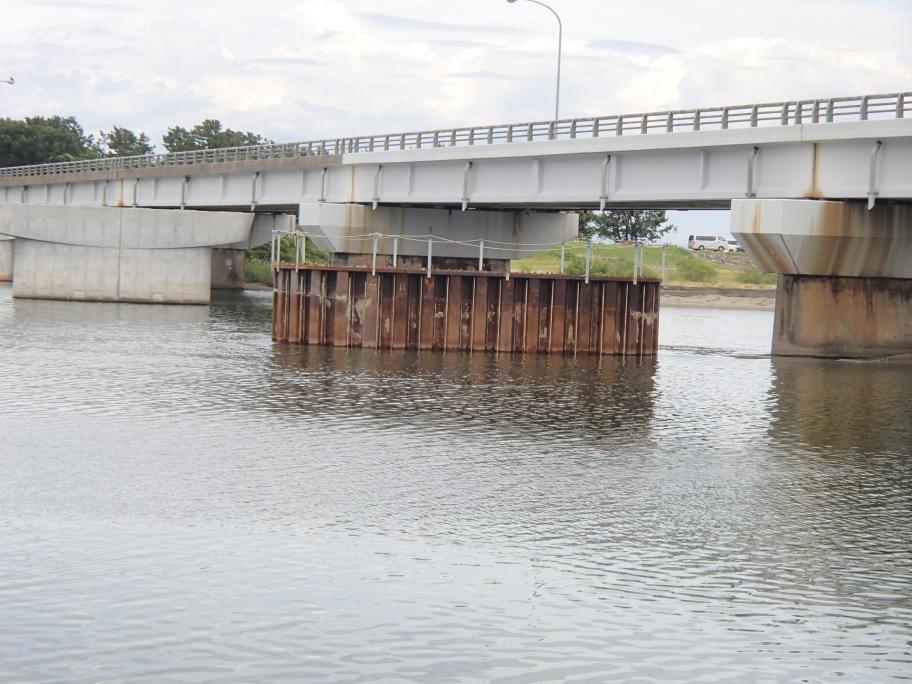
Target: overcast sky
x,y
295,70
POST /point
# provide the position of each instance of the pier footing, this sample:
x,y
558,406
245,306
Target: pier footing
x,y
467,311
833,316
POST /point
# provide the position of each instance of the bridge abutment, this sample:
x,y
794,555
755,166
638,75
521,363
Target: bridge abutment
x,y
845,283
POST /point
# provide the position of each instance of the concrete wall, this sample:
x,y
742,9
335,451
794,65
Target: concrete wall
x,y
6,258
46,270
117,254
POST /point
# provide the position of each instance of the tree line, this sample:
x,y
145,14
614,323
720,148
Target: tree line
x,y
44,139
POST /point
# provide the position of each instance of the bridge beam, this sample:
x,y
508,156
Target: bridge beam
x,y
845,283
122,254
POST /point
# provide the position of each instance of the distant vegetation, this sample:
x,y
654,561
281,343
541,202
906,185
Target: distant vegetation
x,y
624,225
46,139
257,266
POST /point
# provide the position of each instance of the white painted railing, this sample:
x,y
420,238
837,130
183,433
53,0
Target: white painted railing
x,y
857,108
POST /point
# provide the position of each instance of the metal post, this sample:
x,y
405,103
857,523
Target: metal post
x,y
430,245
304,256
562,258
481,254
272,260
588,258
560,40
373,254
395,250
297,243
636,254
664,250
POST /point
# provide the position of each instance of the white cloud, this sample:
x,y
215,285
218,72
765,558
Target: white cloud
x,y
294,70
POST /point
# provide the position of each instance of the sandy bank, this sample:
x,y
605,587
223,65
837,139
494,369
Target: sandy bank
x,y
761,299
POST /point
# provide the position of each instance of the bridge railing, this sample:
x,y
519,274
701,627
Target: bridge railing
x,y
855,108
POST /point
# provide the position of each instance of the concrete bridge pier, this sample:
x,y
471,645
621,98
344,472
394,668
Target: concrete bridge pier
x,y
845,274
6,258
114,254
227,269
342,230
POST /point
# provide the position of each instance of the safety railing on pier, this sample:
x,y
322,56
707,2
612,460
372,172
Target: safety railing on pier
x,y
576,256
837,109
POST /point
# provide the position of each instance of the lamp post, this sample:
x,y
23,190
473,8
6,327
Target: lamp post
x,y
9,81
560,39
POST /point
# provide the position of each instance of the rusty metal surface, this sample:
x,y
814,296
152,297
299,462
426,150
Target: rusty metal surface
x,y
465,311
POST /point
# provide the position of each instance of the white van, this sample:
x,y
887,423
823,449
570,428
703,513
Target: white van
x,y
713,242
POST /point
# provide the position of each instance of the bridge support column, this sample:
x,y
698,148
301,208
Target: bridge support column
x,y
117,254
833,316
343,230
845,283
6,258
227,269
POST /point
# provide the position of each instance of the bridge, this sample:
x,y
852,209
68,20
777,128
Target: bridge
x,y
820,192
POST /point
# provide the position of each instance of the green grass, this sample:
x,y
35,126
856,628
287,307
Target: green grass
x,y
256,271
754,276
681,265
257,268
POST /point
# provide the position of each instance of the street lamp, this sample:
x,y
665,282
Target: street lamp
x,y
11,80
560,38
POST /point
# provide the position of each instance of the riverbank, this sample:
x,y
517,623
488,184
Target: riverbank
x,y
748,298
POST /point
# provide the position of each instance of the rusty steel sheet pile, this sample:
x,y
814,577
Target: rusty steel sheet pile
x,y
398,308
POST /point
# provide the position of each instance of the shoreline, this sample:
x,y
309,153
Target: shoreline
x,y
747,298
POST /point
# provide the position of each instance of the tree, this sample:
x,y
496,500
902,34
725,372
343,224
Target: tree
x,y
624,224
39,139
122,142
209,135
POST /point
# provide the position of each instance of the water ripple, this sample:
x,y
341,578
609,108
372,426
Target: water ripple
x,y
185,501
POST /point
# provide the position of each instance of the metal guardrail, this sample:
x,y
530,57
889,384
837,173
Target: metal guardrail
x,y
855,108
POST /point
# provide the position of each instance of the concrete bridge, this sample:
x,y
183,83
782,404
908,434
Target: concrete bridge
x,y
820,192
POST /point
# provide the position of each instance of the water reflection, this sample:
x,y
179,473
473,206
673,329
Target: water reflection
x,y
526,397
839,406
184,500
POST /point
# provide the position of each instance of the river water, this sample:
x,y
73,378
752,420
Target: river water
x,y
184,501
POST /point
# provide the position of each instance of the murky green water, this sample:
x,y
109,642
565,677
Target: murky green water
x,y
182,500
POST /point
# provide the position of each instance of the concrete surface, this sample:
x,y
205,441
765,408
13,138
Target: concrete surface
x,y
47,270
815,237
6,258
838,317
227,269
117,254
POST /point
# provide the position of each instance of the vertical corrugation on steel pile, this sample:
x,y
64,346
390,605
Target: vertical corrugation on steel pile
x,y
465,311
